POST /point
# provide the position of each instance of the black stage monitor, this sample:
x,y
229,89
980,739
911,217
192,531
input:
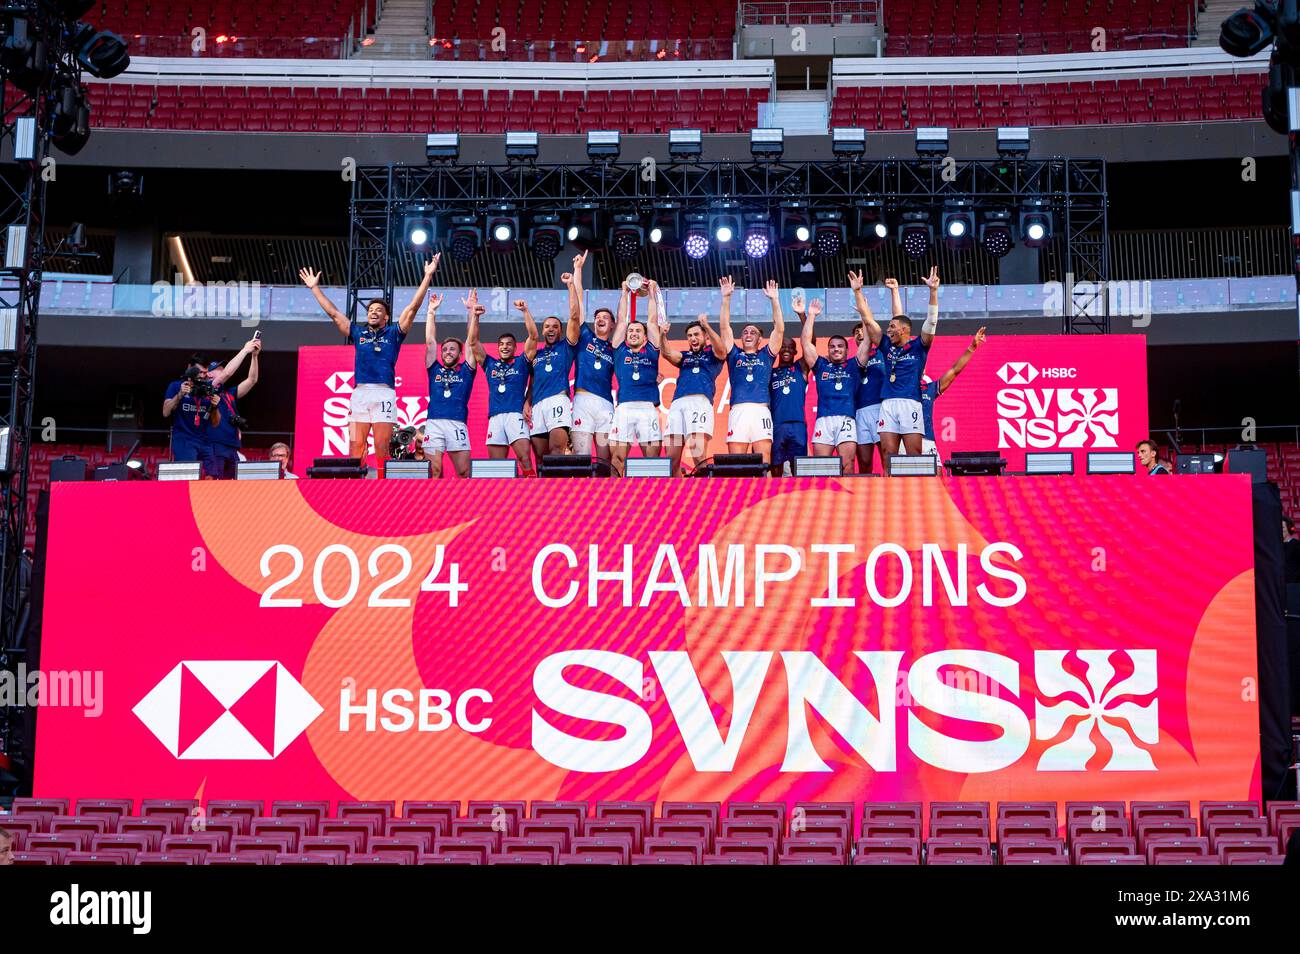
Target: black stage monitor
x,y
1248,460
337,468
738,465
976,464
1199,464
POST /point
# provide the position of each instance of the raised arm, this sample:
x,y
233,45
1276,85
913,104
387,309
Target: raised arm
x,y
727,287
431,329
312,280
531,338
472,315
778,320
250,381
653,331
473,344
896,296
808,337
228,370
620,327
871,330
574,280
950,375
407,317
715,339
931,325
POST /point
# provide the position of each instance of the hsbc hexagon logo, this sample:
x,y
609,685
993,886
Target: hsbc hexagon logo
x,y
1017,372
340,382
227,710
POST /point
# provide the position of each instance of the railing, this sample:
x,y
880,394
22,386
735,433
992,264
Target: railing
x,y
579,50
1069,39
225,45
1200,253
1232,435
120,439
812,13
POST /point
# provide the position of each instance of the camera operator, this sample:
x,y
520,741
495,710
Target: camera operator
x,y
224,438
187,402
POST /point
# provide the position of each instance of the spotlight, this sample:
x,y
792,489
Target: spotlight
x,y
442,146
829,235
23,55
932,141
656,235
626,235
685,143
795,233
1245,33
603,144
767,143
521,146
586,226
696,243
995,232
757,241
916,234
546,238
1013,142
664,226
103,54
1035,223
418,228
502,230
848,141
958,224
724,229
869,230
70,116
464,237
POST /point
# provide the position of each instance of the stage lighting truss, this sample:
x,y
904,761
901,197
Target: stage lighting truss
x,y
696,244
1036,223
995,232
758,234
627,235
958,224
464,237
829,235
916,234
546,237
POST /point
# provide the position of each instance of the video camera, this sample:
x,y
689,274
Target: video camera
x,y
202,387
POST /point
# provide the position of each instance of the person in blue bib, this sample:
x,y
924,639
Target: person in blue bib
x,y
788,389
507,377
866,401
593,385
836,380
224,433
749,375
636,368
690,416
373,407
903,356
191,418
930,390
451,379
552,408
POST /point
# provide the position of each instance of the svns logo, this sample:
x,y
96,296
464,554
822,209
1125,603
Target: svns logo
x,y
1054,417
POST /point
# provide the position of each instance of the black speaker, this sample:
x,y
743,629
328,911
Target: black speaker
x,y
1248,460
738,465
345,468
112,472
68,468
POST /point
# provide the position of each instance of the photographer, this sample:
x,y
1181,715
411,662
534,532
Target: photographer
x,y
224,438
182,404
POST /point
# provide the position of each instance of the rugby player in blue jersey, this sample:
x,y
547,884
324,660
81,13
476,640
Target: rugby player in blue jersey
x,y
749,372
451,379
593,394
377,341
903,356
930,390
636,367
787,392
552,408
690,417
866,402
836,379
507,377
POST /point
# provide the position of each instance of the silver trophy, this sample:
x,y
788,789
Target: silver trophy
x,y
636,284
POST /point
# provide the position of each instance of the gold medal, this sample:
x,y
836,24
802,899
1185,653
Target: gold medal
x,y
893,378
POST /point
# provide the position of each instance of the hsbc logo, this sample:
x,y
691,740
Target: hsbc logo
x,y
1017,372
227,710
340,382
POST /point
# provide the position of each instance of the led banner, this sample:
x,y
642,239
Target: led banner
x,y
836,639
1019,393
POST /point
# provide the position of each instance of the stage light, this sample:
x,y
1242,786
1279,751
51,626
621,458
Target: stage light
x,y
502,232
869,227
829,235
795,233
70,116
656,235
916,235
995,232
521,145
603,144
626,235
958,224
1049,463
490,469
418,227
818,466
724,229
442,146
1013,142
103,54
24,55
1036,223
407,469
685,143
767,142
648,467
502,229
912,465
1111,462
586,226
696,244
464,237
665,227
257,470
848,141
25,139
180,470
1245,33
932,142
546,238
976,464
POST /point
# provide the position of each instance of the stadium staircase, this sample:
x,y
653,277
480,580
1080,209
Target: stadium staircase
x,y
1211,18
798,112
401,33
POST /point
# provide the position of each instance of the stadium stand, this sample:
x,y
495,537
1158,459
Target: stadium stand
x,y
232,18
108,832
